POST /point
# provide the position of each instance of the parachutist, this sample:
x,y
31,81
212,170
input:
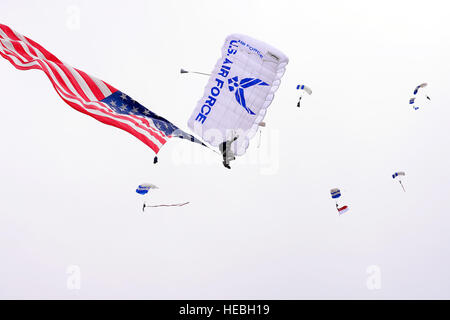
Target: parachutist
x,y
227,153
305,89
155,160
399,177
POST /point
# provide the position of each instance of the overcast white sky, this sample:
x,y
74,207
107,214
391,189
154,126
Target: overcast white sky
x,y
267,229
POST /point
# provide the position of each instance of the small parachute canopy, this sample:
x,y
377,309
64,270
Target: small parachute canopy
x,y
342,209
241,87
398,175
422,85
304,88
145,187
335,193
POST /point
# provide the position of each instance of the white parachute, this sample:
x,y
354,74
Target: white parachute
x,y
304,88
239,91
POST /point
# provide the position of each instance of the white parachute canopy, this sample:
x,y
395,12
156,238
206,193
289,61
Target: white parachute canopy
x,y
304,88
239,91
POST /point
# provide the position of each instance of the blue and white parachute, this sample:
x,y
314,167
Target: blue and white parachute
x,y
145,187
239,91
422,85
304,88
335,193
398,175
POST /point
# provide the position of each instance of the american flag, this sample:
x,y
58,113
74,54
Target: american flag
x,y
88,94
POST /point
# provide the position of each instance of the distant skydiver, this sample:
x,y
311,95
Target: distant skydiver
x,y
303,88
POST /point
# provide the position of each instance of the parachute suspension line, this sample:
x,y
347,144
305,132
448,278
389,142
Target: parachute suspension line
x,y
202,73
165,205
259,139
402,185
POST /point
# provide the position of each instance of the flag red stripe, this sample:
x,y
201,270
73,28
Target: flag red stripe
x,y
47,55
94,88
73,81
9,32
110,87
18,47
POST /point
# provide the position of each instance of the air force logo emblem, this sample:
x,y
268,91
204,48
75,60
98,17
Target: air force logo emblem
x,y
238,86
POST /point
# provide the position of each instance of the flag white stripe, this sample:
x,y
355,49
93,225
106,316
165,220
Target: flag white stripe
x,y
38,54
64,77
82,83
9,46
3,34
103,88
